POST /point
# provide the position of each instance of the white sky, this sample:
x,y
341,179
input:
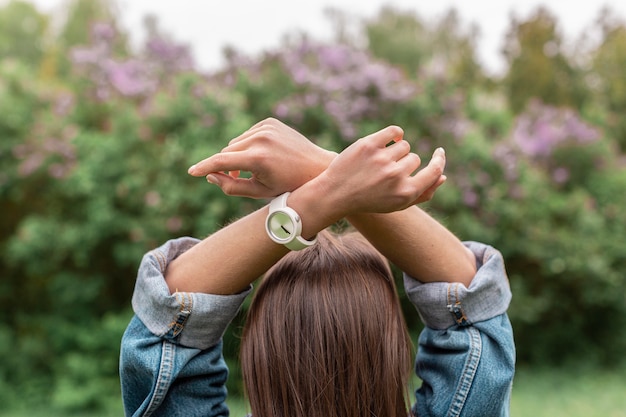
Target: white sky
x,y
255,25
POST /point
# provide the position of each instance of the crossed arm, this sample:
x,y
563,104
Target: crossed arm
x,y
373,183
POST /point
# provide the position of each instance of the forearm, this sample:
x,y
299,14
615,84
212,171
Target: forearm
x,y
227,261
418,244
367,177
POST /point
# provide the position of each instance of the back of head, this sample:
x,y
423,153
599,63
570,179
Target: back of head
x,y
325,335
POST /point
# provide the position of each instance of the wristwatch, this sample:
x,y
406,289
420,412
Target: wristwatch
x,y
284,226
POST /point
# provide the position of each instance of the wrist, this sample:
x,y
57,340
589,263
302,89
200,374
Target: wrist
x,y
329,157
322,161
316,206
284,225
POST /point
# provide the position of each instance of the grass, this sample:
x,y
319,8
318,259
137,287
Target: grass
x,y
536,393
571,393
552,393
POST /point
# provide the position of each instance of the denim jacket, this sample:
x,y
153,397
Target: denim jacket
x,y
171,361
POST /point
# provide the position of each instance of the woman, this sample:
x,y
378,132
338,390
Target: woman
x,y
325,336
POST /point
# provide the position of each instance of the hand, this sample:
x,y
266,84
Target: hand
x,y
372,176
279,158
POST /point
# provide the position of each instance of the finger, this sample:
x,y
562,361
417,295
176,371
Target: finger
x,y
438,161
408,163
382,138
221,162
254,130
263,125
428,176
430,193
399,150
245,187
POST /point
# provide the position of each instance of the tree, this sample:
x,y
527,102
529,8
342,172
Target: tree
x,y
82,15
22,31
405,40
538,68
607,67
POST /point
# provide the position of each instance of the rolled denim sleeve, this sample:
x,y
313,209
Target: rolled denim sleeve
x,y
466,352
441,304
171,360
194,320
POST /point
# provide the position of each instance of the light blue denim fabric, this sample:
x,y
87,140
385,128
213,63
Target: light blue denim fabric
x,y
171,361
466,353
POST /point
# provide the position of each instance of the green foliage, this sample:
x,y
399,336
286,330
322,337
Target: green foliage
x,y
22,30
93,175
80,18
547,208
573,392
537,66
406,49
607,63
445,47
86,190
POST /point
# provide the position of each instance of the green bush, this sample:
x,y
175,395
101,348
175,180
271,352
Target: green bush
x,y
93,175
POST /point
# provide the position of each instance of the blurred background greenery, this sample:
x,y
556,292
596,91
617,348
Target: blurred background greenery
x,y
96,137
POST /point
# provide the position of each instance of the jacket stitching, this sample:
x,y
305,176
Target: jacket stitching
x,y
457,311
186,305
468,374
164,378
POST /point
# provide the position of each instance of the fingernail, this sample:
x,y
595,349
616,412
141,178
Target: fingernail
x,y
191,169
441,151
212,179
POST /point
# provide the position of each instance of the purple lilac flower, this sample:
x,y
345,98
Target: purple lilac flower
x,y
34,155
170,56
102,32
128,77
342,80
31,164
508,160
152,199
174,224
131,78
63,104
538,133
58,147
334,58
560,175
281,110
542,129
470,198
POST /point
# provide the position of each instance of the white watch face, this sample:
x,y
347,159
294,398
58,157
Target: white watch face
x,y
281,225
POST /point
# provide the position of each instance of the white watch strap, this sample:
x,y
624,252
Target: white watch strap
x,y
279,202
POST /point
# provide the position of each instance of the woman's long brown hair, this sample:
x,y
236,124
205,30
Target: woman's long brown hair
x,y
325,335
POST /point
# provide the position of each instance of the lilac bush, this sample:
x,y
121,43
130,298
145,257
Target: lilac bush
x,y
543,133
94,174
347,83
541,129
133,77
